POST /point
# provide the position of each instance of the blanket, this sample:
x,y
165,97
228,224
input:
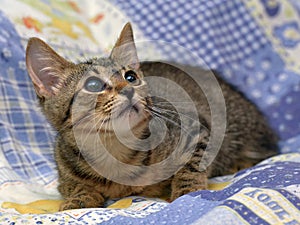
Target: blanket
x,y
255,46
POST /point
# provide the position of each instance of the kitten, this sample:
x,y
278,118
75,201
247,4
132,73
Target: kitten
x,y
109,125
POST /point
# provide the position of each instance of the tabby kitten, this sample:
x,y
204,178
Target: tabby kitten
x,y
116,139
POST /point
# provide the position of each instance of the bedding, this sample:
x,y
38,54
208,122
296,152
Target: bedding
x,y
255,44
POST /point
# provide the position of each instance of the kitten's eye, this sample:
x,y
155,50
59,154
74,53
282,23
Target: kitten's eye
x,y
131,77
94,84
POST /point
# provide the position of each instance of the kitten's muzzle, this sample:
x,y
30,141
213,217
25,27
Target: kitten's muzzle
x,y
135,107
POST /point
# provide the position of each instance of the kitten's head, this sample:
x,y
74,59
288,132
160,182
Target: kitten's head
x,y
103,94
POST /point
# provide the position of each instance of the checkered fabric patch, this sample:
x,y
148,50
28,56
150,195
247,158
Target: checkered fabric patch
x,y
217,31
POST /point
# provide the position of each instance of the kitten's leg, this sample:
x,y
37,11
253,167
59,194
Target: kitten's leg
x,y
189,178
83,197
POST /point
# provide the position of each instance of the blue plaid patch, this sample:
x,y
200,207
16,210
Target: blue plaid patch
x,y
26,137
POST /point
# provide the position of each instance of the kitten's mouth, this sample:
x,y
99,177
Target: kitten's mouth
x,y
131,107
132,114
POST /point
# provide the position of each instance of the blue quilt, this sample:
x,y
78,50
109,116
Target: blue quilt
x,y
255,44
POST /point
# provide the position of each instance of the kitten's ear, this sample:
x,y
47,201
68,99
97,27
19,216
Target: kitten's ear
x,y
124,50
45,67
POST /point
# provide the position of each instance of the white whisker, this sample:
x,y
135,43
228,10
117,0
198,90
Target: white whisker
x,y
181,114
157,114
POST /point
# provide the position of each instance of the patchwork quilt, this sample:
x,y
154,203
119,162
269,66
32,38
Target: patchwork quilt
x,y
255,44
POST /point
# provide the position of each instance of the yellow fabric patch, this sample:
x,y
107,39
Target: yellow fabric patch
x,y
218,186
36,207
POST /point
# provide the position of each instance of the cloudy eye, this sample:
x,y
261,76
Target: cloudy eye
x,y
131,77
94,84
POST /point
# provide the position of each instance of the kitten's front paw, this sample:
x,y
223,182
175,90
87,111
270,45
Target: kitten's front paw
x,y
71,203
179,192
187,181
80,202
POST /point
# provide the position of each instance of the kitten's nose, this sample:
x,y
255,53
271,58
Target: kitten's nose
x,y
128,92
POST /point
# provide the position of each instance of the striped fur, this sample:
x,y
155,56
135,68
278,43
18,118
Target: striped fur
x,y
87,103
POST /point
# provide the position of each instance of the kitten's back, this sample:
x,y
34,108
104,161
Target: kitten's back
x,y
248,138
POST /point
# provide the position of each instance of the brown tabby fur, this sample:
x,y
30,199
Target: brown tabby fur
x,y
58,83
